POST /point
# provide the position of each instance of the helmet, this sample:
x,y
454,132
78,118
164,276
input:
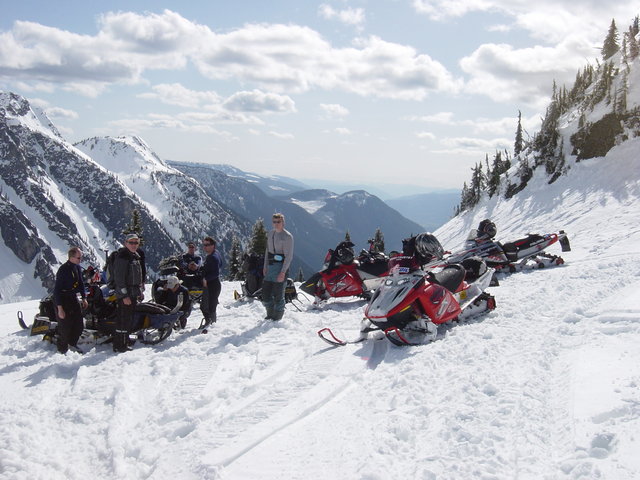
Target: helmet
x,y
172,281
428,247
344,253
487,228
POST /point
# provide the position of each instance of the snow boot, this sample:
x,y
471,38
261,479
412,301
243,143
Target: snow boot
x,y
277,315
270,314
121,341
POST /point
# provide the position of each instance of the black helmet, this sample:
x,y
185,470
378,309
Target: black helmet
x,y
428,247
487,228
344,253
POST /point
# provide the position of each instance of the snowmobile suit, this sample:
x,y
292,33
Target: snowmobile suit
x,y
210,294
127,273
68,285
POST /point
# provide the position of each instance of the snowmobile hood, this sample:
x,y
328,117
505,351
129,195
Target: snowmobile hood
x,y
392,293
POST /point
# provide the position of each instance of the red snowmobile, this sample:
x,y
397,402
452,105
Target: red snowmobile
x,y
343,275
414,300
527,252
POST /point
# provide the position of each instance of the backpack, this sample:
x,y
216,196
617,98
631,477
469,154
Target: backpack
x,y
108,268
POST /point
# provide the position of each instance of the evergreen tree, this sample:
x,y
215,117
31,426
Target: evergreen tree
x,y
258,242
632,44
518,146
235,260
347,236
610,46
135,226
377,244
300,276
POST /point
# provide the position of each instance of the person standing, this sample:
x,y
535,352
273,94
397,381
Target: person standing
x,y
129,285
210,282
277,258
68,286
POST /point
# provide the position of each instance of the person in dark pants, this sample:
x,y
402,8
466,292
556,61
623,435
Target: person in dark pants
x,y
210,282
68,286
129,285
277,258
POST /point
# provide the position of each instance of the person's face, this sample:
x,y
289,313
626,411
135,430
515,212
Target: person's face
x,y
278,224
77,258
208,247
132,244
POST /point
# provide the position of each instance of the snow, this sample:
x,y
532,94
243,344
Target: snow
x,y
311,206
543,387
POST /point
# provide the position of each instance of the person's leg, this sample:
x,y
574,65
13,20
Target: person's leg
x,y
267,297
278,300
214,294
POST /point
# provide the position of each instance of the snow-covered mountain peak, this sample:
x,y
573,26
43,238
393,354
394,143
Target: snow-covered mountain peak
x,y
18,111
124,155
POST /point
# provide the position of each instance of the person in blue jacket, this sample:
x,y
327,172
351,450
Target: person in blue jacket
x,y
210,282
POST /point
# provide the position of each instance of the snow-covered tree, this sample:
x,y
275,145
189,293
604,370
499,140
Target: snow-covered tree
x,y
235,260
135,226
258,242
611,45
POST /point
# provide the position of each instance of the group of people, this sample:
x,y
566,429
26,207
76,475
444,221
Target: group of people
x,y
128,278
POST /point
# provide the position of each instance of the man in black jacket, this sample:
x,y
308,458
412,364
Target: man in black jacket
x,y
176,297
69,285
129,285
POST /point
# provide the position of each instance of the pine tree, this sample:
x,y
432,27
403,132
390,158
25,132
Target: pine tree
x,y
610,46
135,226
300,276
258,242
347,236
632,44
518,146
377,244
235,260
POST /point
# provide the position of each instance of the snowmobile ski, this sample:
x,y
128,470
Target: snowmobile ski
x,y
21,320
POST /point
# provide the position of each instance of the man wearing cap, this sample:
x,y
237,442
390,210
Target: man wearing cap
x,y
176,297
129,284
210,282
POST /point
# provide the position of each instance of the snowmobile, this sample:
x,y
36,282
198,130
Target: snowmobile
x,y
417,296
171,266
290,294
527,252
153,322
343,275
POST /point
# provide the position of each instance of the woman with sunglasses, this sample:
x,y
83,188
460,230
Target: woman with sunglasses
x,y
277,259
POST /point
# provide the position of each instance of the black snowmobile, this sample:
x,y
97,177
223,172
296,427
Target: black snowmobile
x,y
523,253
171,266
152,323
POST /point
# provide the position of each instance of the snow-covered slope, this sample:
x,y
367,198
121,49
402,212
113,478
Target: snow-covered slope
x,y
544,387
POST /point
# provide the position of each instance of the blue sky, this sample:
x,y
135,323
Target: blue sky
x,y
365,92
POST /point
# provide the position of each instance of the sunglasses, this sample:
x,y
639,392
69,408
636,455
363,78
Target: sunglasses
x,y
276,221
133,243
207,244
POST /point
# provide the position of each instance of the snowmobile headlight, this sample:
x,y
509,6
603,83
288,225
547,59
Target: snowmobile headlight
x,y
388,282
402,281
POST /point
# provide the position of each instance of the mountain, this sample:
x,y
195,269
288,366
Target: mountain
x,y
271,185
66,197
358,213
431,210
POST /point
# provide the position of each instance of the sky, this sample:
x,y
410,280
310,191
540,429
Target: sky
x,y
371,92
543,387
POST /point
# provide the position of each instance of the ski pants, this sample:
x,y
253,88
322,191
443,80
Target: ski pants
x,y
209,301
124,324
70,327
272,291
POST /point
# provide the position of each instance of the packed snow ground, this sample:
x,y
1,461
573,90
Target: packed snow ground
x,y
544,387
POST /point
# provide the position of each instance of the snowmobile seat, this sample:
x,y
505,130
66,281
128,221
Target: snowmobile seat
x,y
474,268
512,249
450,277
375,267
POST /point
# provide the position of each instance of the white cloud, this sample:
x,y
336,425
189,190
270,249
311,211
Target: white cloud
x,y
343,131
282,136
176,94
333,110
473,146
427,135
257,101
276,57
350,16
